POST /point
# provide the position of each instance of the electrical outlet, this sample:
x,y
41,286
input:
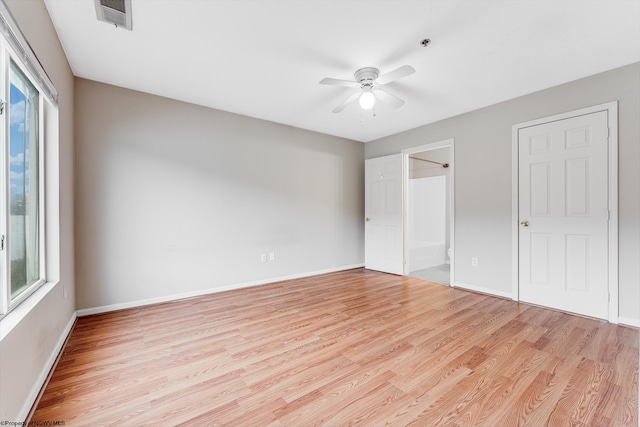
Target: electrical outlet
x,y
474,262
272,256
263,258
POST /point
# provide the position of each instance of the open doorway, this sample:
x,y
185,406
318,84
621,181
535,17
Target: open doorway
x,y
428,219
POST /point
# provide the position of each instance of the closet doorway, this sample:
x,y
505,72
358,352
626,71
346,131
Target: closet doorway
x,y
428,219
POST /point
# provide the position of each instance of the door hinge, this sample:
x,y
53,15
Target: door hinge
x,y
2,104
2,243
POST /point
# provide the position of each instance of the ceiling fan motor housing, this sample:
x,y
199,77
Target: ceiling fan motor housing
x,y
366,76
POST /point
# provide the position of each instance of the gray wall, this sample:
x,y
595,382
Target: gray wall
x,y
173,198
31,344
483,176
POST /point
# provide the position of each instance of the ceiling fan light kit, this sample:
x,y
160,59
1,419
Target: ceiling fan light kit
x,y
368,81
367,99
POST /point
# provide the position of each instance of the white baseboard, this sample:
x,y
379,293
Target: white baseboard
x,y
166,298
46,369
483,290
629,321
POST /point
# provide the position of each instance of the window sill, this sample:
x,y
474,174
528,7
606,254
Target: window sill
x,y
15,316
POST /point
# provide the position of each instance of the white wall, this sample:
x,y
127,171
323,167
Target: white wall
x,y
174,198
419,169
483,176
33,332
427,222
427,209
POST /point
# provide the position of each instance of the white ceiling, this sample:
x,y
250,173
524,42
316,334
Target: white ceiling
x,y
264,58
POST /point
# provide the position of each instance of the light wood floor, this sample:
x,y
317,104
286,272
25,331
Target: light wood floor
x,y
355,347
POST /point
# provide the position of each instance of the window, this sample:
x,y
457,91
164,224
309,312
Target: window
x,y
25,100
23,231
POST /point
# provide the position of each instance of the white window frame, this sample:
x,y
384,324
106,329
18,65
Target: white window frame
x,y
6,56
14,47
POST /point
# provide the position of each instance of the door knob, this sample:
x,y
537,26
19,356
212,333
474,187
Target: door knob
x,y
367,219
525,223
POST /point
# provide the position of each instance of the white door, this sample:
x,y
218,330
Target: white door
x,y
563,209
383,247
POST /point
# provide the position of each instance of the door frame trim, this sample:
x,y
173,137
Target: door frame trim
x,y
405,201
612,122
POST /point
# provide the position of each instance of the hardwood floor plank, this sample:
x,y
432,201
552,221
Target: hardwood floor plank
x,y
520,377
447,380
337,397
518,409
356,347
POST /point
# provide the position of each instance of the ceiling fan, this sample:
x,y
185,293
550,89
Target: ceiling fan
x,y
368,81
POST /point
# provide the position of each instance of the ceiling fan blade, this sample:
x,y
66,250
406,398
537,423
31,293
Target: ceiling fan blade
x,y
387,98
346,102
338,82
396,74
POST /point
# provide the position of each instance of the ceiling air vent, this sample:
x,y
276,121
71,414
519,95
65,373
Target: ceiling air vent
x,y
114,12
